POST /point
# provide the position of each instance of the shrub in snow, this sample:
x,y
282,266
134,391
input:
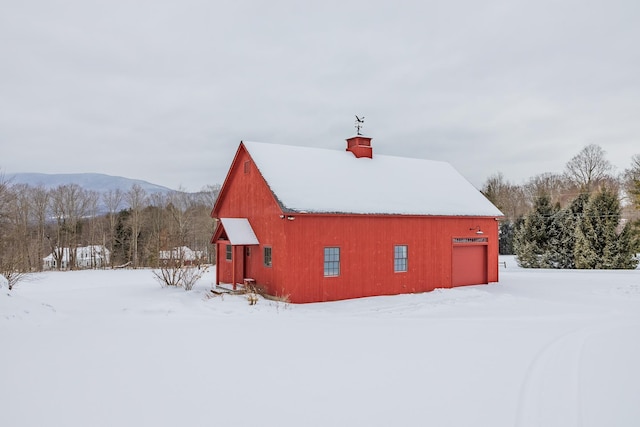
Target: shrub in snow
x,y
11,276
179,275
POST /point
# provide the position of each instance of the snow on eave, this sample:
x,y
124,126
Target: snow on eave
x,y
383,214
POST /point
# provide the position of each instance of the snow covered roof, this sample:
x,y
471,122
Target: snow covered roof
x,y
239,231
329,181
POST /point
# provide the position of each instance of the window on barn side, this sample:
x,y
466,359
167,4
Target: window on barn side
x,y
469,239
400,258
267,256
229,253
247,166
331,262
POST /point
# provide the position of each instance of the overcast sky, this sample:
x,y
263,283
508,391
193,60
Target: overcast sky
x,y
164,90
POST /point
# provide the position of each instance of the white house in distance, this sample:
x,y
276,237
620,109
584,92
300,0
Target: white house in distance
x,y
184,253
95,256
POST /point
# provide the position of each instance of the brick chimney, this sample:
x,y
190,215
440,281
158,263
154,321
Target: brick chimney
x,y
360,146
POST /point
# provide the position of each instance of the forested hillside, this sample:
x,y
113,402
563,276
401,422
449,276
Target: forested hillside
x,y
134,225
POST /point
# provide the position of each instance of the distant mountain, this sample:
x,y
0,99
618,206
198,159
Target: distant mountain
x,y
97,182
88,181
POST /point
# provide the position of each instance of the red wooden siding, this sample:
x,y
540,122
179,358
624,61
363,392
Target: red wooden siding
x,y
366,245
246,195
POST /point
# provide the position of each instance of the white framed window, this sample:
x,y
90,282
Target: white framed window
x,y
331,261
400,258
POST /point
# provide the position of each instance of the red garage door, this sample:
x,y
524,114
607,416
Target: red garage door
x,y
469,265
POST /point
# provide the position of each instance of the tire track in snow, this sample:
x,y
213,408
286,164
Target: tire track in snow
x,y
550,394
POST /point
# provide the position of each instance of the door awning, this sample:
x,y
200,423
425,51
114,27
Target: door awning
x,y
237,231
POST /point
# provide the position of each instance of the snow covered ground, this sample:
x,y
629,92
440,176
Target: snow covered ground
x,y
113,348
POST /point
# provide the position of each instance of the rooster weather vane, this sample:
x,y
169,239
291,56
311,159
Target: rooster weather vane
x,y
359,124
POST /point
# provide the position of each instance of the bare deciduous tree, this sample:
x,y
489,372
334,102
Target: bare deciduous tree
x,y
94,233
35,221
156,221
635,166
39,199
20,215
631,181
69,204
507,197
559,189
588,168
203,225
207,196
178,206
11,269
13,264
136,198
112,199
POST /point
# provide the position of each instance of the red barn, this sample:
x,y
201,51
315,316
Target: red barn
x,y
322,225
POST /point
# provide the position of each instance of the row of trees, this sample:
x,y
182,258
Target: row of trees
x,y
586,217
585,234
133,225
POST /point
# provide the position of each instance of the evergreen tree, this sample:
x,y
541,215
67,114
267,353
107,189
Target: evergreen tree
x,y
625,251
122,239
563,235
506,232
634,232
561,240
598,245
531,240
635,192
584,254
